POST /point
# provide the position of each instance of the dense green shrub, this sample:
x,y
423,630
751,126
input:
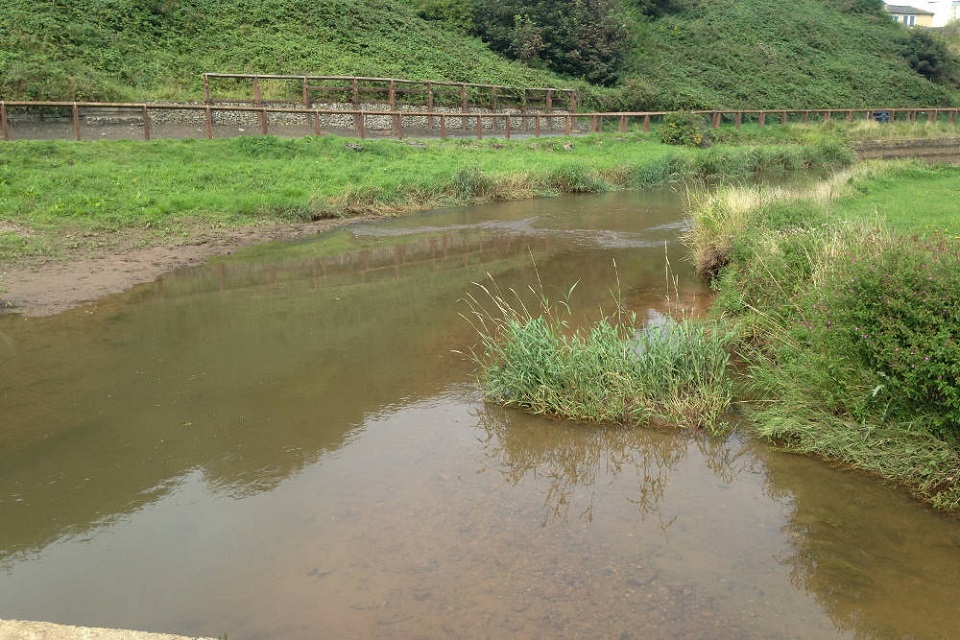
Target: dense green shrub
x,y
929,55
688,129
580,38
898,316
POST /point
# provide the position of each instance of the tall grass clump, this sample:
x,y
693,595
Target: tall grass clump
x,y
615,371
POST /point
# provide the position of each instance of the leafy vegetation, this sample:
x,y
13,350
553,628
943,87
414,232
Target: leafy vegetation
x,y
158,49
929,55
657,54
685,129
616,372
580,39
802,54
849,329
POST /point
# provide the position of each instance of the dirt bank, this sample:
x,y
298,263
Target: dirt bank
x,y
41,287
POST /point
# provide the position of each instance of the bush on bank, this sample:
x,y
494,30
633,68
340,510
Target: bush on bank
x,y
851,329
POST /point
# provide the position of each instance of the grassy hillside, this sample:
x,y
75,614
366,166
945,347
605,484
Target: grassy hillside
x,y
157,49
774,53
697,54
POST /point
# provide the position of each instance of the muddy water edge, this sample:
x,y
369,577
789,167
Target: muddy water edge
x,y
284,444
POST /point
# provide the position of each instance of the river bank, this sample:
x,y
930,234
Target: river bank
x,y
43,286
82,220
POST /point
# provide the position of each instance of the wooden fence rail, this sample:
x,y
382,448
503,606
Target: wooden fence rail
x,y
356,90
299,121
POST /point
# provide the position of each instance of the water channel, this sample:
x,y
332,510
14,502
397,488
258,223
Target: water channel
x,y
286,444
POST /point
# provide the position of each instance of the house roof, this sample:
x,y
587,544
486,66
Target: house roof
x,y
902,8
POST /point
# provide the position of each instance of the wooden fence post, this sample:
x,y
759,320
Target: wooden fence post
x,y
206,88
4,123
76,121
208,121
430,106
146,123
646,122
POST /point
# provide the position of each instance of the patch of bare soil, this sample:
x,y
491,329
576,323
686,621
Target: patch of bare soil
x,y
99,267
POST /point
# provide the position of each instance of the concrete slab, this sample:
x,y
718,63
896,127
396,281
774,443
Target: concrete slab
x,y
23,630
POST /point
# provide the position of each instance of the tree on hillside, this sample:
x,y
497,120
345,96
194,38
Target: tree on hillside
x,y
580,38
930,56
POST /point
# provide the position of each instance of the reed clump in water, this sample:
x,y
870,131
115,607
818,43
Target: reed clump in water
x,y
615,371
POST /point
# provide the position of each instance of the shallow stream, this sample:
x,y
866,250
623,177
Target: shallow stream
x,y
286,444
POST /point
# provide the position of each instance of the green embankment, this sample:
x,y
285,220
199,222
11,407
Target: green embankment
x,y
157,50
838,300
717,54
760,54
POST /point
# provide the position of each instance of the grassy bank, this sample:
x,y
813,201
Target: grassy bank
x,y
850,317
52,190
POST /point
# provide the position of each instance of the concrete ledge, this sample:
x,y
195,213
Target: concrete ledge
x,y
21,630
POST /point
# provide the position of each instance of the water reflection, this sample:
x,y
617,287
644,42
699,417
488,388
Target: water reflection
x,y
895,576
572,456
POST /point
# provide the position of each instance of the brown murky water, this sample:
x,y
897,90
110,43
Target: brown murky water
x,y
284,445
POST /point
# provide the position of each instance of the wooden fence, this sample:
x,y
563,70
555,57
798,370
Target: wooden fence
x,y
356,91
46,120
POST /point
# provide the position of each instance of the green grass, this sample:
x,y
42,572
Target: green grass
x,y
103,186
846,298
613,372
909,195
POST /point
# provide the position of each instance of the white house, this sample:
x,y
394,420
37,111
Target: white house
x,y
943,11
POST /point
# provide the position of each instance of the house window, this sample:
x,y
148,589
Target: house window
x,y
910,20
